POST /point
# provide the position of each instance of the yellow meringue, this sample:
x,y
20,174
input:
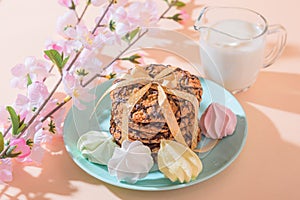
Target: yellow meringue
x,y
178,162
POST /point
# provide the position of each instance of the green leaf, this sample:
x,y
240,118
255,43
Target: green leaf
x,y
133,58
15,120
64,62
176,17
1,142
131,35
21,128
179,4
29,81
55,57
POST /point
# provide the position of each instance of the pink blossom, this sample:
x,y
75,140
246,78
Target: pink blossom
x,y
71,47
42,137
100,39
54,45
6,170
26,106
184,16
36,69
143,14
98,2
84,36
21,147
57,118
120,25
37,93
22,105
36,156
90,62
76,91
68,3
66,24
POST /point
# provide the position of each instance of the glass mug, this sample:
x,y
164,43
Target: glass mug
x,y
233,44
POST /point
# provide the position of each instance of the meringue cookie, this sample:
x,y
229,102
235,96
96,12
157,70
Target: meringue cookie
x,y
178,162
97,147
217,121
131,162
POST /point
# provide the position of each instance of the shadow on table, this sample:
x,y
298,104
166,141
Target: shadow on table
x,y
275,90
56,176
262,171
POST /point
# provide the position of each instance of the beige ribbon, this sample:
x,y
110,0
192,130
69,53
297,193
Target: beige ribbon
x,y
165,82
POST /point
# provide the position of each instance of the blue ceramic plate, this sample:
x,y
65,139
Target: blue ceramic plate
x,y
78,122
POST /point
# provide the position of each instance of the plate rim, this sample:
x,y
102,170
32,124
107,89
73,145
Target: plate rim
x,y
77,159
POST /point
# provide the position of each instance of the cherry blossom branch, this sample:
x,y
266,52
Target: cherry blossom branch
x,y
168,9
97,75
102,17
60,80
34,116
56,108
116,58
140,35
94,30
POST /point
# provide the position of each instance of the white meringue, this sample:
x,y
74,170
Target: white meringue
x,y
131,162
97,147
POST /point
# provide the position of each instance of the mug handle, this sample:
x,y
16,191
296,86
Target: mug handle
x,y
278,48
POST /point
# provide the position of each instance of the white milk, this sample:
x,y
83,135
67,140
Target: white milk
x,y
232,62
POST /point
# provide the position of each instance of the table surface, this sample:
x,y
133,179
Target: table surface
x,y
269,164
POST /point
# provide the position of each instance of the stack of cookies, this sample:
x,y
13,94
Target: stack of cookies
x,y
146,121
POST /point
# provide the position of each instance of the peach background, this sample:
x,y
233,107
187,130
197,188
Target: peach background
x,y
267,168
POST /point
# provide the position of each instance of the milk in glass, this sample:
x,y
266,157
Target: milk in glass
x,y
232,62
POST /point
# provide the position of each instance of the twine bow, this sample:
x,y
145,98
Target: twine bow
x,y
165,82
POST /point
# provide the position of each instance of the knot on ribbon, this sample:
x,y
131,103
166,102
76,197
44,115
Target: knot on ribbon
x,y
166,83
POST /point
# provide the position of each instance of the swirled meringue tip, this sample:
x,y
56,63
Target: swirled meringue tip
x,y
217,121
96,146
131,162
178,162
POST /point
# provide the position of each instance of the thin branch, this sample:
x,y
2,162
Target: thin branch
x,y
83,12
102,17
75,58
56,109
76,15
168,9
7,130
50,70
